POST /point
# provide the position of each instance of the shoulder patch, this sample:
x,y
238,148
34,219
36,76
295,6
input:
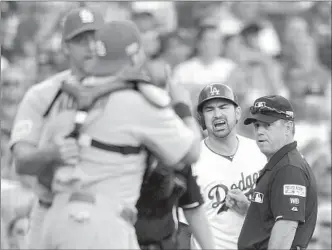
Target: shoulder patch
x,y
155,95
295,190
22,128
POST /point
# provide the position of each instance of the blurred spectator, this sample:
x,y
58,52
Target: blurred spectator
x,y
320,20
307,79
256,70
241,14
16,205
322,169
322,235
148,26
14,83
324,225
319,17
4,237
17,232
206,13
175,48
163,11
206,66
112,10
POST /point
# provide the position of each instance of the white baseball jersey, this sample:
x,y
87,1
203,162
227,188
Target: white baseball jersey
x,y
216,175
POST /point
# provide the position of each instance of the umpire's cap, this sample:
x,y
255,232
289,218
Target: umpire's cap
x,y
216,91
116,43
269,109
80,20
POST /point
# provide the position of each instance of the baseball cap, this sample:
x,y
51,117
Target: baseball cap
x,y
269,109
116,42
80,20
216,91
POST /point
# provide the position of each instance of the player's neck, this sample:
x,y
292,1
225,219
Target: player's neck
x,y
224,146
77,72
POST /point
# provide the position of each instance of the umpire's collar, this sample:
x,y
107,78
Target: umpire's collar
x,y
279,155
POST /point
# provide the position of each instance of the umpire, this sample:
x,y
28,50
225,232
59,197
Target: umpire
x,y
283,207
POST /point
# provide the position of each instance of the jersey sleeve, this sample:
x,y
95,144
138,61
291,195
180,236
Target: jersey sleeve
x,y
289,194
192,198
29,119
164,133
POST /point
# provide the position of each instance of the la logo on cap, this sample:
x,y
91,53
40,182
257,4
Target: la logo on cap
x,y
100,48
214,90
86,16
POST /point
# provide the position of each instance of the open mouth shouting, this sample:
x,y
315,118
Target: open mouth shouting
x,y
219,124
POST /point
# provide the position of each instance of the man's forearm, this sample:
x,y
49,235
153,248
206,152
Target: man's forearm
x,y
32,161
282,235
200,227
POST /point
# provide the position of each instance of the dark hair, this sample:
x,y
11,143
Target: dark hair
x,y
166,39
141,15
249,30
202,29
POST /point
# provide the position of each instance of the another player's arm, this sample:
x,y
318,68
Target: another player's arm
x,y
194,151
191,203
182,106
288,199
29,159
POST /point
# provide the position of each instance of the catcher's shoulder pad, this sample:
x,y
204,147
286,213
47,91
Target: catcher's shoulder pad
x,y
155,95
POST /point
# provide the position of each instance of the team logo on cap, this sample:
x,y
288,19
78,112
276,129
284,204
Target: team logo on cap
x,y
214,90
259,104
86,16
132,49
100,48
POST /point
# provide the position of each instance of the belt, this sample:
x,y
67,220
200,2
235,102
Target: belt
x,y
126,213
44,204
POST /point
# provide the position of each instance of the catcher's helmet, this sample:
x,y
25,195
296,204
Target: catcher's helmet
x,y
214,91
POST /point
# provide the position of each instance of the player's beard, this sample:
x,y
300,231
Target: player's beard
x,y
223,133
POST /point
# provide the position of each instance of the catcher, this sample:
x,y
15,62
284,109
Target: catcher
x,y
119,117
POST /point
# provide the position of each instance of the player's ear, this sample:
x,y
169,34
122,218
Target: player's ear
x,y
289,127
138,58
238,113
65,48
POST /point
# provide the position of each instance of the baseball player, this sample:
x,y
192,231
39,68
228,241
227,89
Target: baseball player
x,y
227,161
98,210
163,190
31,142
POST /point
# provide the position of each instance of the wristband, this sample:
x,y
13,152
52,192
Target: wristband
x,y
182,110
46,176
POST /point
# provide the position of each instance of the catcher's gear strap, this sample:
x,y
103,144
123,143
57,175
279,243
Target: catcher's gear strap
x,y
49,108
86,140
81,116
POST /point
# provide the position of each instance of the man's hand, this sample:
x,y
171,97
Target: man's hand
x,y
67,156
237,201
66,150
177,92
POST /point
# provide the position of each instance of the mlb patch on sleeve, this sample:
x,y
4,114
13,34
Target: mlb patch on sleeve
x,y
295,190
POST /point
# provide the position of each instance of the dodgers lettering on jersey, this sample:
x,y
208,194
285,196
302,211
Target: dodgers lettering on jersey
x,y
216,175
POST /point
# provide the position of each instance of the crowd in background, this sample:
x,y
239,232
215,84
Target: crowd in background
x,y
257,48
